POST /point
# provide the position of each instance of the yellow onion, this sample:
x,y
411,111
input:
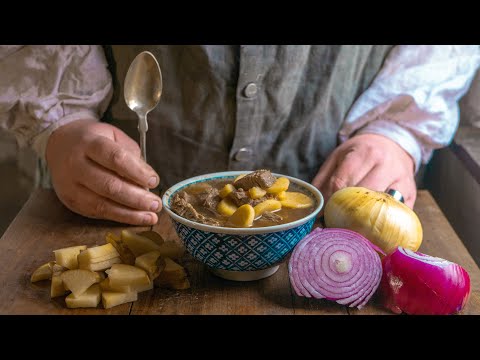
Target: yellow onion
x,y
379,217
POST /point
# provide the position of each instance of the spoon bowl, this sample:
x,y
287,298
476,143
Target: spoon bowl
x,y
142,91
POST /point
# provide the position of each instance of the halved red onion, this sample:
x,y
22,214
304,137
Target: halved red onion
x,y
420,284
336,264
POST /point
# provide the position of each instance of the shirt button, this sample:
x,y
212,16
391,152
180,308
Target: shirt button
x,y
244,154
250,90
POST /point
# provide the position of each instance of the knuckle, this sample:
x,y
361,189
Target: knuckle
x,y
352,154
112,187
351,151
117,157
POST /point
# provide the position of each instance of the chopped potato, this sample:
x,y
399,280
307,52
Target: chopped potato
x,y
106,286
243,217
98,254
280,185
99,276
226,207
138,244
89,285
89,299
111,299
78,280
56,287
125,253
172,266
43,272
121,274
227,189
200,187
180,284
58,268
256,192
67,257
154,236
281,195
152,263
172,250
296,200
267,205
104,265
143,287
174,276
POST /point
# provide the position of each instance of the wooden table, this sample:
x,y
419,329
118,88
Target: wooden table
x,y
44,224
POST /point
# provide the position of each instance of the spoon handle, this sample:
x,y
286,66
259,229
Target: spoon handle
x,y
143,144
142,128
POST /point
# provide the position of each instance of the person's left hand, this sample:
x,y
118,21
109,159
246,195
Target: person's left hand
x,y
372,161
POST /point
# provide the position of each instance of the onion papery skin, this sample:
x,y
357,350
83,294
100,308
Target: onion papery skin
x,y
379,217
336,264
419,284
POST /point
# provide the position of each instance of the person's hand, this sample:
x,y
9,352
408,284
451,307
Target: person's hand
x,y
372,161
97,171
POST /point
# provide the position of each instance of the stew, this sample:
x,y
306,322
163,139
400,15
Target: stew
x,y
256,199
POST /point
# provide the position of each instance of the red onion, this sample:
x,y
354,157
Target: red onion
x,y
336,264
416,284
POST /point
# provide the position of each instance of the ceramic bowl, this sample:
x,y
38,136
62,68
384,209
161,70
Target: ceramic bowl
x,y
241,254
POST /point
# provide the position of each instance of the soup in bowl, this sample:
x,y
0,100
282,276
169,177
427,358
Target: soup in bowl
x,y
242,224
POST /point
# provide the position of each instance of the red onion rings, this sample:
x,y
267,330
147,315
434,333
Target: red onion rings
x,y
336,264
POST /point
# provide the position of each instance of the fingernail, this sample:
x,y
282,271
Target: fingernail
x,y
148,219
153,181
155,205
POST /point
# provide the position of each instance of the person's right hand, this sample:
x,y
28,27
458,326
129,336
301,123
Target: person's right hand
x,y
97,171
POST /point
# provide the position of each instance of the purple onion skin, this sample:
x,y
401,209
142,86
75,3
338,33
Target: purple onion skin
x,y
428,287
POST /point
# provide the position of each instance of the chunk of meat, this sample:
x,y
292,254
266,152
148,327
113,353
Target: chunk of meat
x,y
240,197
181,206
267,215
261,178
209,199
191,199
257,201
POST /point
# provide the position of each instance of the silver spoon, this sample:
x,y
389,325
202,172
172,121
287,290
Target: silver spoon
x,y
142,91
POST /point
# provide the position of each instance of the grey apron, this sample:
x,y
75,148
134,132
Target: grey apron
x,y
231,107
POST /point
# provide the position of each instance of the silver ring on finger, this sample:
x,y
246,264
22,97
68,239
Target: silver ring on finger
x,y
397,195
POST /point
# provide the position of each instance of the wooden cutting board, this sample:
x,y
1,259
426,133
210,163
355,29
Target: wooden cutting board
x,y
44,224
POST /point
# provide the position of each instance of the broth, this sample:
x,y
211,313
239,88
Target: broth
x,y
199,202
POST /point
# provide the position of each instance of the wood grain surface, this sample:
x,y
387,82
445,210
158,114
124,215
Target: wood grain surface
x,y
44,225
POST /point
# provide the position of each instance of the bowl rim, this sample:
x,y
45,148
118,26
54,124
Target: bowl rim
x,y
239,231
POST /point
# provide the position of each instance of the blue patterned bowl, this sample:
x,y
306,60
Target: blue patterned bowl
x,y
241,254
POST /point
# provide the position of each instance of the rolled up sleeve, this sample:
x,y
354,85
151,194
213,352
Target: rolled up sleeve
x,y
45,87
414,98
